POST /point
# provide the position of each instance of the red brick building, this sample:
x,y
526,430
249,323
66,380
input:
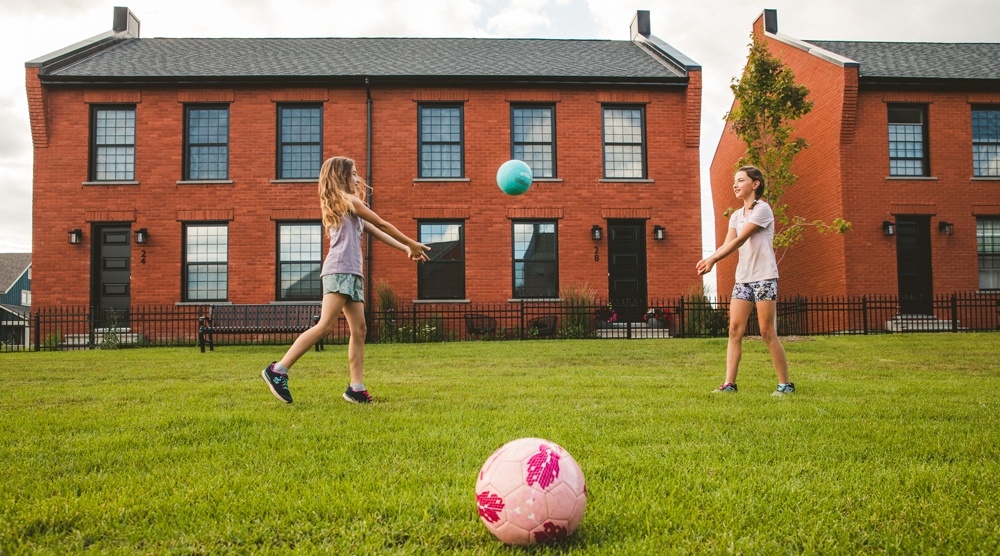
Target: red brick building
x,y
905,144
171,171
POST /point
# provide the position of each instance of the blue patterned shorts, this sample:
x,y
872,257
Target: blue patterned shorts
x,y
763,290
351,285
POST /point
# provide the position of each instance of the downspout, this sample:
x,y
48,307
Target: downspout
x,y
368,201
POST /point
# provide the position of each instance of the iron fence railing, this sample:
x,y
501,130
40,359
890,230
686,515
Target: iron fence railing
x,y
55,328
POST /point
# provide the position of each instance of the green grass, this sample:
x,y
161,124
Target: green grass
x,y
890,445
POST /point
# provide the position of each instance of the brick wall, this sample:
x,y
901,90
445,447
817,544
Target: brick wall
x,y
252,204
845,172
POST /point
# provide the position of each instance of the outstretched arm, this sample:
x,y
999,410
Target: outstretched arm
x,y
389,234
733,242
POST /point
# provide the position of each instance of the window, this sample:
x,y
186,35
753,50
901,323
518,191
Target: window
x,y
908,140
112,153
443,276
206,262
536,269
986,141
624,142
988,247
300,261
206,153
440,142
300,147
533,138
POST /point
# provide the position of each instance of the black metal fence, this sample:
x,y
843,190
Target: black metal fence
x,y
57,328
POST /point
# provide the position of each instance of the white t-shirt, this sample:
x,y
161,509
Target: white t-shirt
x,y
757,261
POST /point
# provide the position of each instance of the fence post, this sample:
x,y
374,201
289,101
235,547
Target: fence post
x,y
864,313
38,328
680,317
414,327
954,312
520,329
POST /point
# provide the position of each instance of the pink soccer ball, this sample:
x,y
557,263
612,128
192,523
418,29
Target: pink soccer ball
x,y
531,491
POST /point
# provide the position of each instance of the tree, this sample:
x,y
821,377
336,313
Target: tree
x,y
768,100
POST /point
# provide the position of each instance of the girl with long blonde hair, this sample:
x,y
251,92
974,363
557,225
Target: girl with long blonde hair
x,y
345,217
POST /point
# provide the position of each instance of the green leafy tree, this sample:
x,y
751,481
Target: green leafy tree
x,y
768,100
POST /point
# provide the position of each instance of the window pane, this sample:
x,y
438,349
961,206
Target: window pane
x,y
533,139
206,262
114,144
208,143
443,276
624,155
535,260
907,156
299,261
300,138
440,138
986,142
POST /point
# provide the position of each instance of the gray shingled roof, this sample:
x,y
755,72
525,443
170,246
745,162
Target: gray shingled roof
x,y
532,59
11,267
916,60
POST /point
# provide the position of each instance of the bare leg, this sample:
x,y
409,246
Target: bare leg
x,y
767,318
739,311
332,305
355,313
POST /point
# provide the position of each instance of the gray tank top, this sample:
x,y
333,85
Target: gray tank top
x,y
344,256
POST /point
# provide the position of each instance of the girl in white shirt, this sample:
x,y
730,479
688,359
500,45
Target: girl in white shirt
x,y
751,232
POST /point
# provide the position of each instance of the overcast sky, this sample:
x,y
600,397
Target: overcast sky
x,y
714,33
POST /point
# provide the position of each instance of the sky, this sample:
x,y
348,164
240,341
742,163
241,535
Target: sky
x,y
714,33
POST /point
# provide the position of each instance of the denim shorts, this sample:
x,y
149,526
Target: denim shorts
x,y
351,285
763,290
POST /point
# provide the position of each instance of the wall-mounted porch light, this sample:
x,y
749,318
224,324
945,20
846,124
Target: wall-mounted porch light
x,y
947,228
659,233
75,236
596,233
888,228
141,236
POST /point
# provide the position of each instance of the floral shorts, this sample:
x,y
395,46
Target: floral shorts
x,y
351,285
763,290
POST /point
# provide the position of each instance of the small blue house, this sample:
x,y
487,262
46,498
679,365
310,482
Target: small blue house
x,y
15,299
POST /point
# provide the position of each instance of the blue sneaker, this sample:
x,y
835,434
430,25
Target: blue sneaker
x,y
357,397
727,387
784,389
278,383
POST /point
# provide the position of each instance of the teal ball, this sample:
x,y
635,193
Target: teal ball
x,y
514,177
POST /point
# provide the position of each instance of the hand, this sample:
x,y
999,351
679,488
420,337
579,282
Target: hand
x,y
417,252
704,266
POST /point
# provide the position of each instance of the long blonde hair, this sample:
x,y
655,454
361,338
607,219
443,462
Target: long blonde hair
x,y
337,190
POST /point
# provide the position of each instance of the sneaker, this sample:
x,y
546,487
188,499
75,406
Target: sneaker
x,y
782,390
357,397
728,387
278,383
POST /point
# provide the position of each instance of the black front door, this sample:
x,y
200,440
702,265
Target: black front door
x,y
627,268
913,261
112,280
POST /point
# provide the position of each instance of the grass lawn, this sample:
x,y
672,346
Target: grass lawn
x,y
891,444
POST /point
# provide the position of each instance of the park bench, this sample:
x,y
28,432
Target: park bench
x,y
543,326
255,319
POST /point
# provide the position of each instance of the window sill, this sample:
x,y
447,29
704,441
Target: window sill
x,y
197,303
985,178
205,182
911,178
440,301
110,182
441,180
625,180
289,181
535,300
